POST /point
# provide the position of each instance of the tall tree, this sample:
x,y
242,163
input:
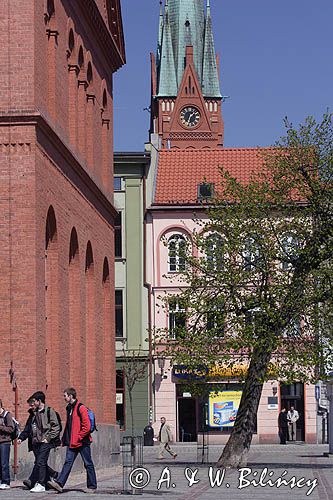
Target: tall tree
x,y
256,288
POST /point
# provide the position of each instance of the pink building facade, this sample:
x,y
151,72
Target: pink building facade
x,y
187,150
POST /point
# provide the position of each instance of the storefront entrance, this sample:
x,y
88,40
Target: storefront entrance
x,y
187,419
293,395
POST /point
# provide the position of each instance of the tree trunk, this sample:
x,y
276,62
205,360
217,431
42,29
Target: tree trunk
x,y
131,408
235,452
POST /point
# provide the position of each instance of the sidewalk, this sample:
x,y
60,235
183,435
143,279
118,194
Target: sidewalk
x,y
303,468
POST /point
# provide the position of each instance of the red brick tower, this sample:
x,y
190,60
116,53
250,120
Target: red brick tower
x,y
56,206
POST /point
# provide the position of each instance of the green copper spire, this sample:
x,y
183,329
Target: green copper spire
x,y
167,83
210,79
160,35
185,24
187,18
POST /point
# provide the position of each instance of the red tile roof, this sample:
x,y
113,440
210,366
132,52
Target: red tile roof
x,y
180,172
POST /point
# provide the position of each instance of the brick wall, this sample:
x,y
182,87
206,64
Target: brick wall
x,y
56,205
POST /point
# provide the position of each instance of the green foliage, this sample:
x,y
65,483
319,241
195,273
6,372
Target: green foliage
x,y
258,275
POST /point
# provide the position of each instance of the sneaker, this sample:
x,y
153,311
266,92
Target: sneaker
x,y
38,488
27,483
55,485
175,455
4,486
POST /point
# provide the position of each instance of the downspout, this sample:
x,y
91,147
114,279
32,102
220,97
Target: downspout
x,y
148,287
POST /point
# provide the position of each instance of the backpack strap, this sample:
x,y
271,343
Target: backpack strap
x,y
78,410
48,414
4,417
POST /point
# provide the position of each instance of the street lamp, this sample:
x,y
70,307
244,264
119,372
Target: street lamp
x,y
329,387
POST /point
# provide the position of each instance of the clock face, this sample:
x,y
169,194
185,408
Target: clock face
x,y
190,116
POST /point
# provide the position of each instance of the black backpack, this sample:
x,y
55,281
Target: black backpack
x,y
55,442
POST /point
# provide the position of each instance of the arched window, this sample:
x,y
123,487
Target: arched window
x,y
252,253
80,58
74,308
51,304
214,252
73,245
105,100
177,249
290,247
71,41
90,358
89,73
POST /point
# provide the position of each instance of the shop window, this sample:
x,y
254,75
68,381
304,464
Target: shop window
x,y
119,314
177,319
177,249
120,398
117,236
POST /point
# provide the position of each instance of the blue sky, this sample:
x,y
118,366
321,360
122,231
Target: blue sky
x,y
276,61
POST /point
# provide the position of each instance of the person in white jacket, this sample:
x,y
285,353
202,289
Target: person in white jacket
x,y
165,437
292,417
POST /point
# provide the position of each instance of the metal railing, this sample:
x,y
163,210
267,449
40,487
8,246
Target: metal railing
x,y
132,457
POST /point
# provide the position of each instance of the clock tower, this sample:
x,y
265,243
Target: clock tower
x,y
186,99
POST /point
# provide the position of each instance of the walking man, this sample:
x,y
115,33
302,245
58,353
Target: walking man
x,y
165,437
77,438
6,428
28,434
44,431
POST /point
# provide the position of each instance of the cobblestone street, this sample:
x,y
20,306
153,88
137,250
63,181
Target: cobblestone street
x,y
174,476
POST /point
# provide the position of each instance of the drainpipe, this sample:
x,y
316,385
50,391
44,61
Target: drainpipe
x,y
12,378
148,287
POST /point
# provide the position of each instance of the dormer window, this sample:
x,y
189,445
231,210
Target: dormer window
x,y
205,191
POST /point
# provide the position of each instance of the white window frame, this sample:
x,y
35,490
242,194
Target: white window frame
x,y
176,263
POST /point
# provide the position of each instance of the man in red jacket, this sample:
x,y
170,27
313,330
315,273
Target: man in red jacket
x,y
77,438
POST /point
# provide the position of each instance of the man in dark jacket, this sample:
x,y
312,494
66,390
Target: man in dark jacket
x,y
77,438
6,428
45,429
27,434
283,426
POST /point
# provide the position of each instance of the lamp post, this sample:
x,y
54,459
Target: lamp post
x,y
329,386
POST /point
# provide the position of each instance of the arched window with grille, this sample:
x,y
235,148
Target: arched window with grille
x,y
176,251
252,254
289,251
214,252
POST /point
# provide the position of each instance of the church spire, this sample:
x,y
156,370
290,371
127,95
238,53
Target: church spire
x,y
160,35
210,78
185,23
167,83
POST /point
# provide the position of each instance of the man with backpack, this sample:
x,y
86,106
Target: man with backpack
x,y
77,438
45,428
7,427
27,434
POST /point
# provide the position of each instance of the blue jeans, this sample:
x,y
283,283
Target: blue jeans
x,y
71,455
4,460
